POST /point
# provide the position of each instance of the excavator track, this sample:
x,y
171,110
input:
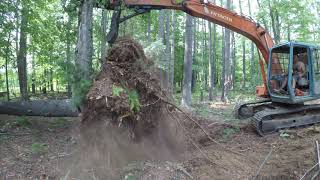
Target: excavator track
x,y
243,110
272,120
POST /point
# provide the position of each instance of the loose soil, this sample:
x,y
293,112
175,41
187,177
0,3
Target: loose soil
x,y
290,158
129,130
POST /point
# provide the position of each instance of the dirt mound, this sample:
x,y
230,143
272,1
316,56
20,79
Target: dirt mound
x,y
126,92
126,115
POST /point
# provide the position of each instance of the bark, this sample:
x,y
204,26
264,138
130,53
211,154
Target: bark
x,y
252,62
161,36
33,76
194,53
22,55
243,55
6,68
51,108
174,26
84,43
84,52
68,55
104,20
168,51
51,80
187,72
211,66
226,63
234,63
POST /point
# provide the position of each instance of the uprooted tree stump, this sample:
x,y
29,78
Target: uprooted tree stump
x,y
127,91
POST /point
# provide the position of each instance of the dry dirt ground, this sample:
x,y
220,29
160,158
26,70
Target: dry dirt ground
x,y
46,148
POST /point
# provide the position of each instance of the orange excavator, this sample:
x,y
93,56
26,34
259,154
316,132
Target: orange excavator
x,y
293,69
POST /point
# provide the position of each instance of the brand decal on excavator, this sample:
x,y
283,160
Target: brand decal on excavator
x,y
226,18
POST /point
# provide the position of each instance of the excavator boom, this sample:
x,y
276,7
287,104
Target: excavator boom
x,y
212,13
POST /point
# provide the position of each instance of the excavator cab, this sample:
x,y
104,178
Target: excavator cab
x,y
294,73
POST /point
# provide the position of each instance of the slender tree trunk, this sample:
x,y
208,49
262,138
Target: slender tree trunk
x,y
44,82
104,20
68,54
161,36
174,26
51,80
194,53
234,63
187,72
6,67
252,62
168,51
22,55
243,54
33,76
226,63
275,23
211,67
149,27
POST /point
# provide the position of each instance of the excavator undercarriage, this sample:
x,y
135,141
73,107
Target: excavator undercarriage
x,y
269,117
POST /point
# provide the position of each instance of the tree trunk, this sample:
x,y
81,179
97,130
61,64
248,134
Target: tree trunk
x,y
174,26
233,58
51,108
252,62
187,72
22,55
161,36
51,80
274,23
243,55
226,63
6,67
33,76
104,20
68,54
84,50
194,53
44,82
168,51
211,64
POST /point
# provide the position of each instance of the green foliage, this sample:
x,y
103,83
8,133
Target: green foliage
x,y
60,123
23,121
116,90
229,132
39,148
80,89
130,177
133,98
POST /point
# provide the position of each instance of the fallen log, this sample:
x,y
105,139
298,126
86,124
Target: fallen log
x,y
48,108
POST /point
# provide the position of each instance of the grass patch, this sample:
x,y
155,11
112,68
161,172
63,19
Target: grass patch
x,y
39,148
60,123
229,132
23,122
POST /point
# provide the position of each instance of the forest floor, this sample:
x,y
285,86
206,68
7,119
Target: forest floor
x,y
40,148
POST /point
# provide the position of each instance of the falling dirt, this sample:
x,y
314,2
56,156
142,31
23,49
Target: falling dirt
x,y
126,114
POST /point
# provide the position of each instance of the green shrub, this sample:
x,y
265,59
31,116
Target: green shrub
x,y
38,148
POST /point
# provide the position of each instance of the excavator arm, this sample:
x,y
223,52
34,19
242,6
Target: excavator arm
x,y
205,10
